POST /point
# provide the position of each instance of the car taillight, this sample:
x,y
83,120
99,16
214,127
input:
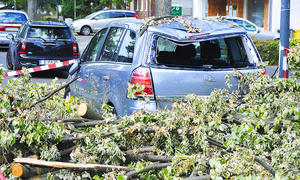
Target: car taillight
x,y
75,49
2,28
23,48
135,15
142,77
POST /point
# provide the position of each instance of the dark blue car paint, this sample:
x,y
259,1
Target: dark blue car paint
x,y
40,49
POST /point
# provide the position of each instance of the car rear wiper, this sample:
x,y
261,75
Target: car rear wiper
x,y
40,38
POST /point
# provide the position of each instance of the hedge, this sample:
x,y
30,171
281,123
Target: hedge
x,y
269,49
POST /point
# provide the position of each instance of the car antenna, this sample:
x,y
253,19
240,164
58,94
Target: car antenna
x,y
147,24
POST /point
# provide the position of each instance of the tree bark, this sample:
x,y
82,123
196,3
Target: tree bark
x,y
155,166
148,157
32,9
163,8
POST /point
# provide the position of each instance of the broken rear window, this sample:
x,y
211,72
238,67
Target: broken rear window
x,y
215,53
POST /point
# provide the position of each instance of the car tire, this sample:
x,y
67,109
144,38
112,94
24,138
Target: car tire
x,y
9,64
85,30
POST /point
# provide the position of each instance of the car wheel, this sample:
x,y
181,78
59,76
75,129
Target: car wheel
x,y
9,64
85,30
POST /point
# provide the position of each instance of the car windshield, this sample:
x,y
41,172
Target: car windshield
x,y
215,53
49,33
12,18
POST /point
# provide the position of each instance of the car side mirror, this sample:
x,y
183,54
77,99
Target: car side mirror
x,y
258,31
10,36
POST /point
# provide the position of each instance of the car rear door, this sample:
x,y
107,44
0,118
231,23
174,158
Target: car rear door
x,y
196,71
50,43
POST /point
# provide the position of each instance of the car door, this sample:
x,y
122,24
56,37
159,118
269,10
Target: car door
x,y
120,72
101,72
84,87
94,72
100,20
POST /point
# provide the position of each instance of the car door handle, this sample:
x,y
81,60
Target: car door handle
x,y
105,78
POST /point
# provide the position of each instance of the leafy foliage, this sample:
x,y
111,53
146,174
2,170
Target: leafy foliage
x,y
263,123
269,51
86,7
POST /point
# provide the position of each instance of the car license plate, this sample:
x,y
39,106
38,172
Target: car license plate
x,y
11,29
45,62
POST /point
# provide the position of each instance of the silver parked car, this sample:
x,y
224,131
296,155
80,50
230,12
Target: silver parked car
x,y
253,30
10,23
97,20
167,60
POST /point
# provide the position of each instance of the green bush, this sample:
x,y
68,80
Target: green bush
x,y
268,50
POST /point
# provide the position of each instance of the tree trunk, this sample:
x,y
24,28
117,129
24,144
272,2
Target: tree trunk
x,y
163,8
32,9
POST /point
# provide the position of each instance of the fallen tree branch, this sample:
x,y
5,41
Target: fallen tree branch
x,y
148,157
141,150
64,165
155,166
52,93
88,124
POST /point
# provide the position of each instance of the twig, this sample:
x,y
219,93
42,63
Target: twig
x,y
155,166
52,93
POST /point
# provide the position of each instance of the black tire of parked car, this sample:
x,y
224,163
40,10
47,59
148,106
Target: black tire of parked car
x,y
85,30
9,64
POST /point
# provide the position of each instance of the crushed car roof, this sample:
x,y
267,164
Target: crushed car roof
x,y
183,28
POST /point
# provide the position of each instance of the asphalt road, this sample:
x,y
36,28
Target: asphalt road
x,y
45,76
48,76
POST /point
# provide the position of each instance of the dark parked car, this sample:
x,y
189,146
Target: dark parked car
x,y
10,22
39,43
167,60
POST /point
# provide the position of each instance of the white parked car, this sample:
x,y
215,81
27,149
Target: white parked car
x,y
254,30
10,23
97,20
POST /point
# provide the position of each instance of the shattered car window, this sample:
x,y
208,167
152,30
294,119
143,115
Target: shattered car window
x,y
217,53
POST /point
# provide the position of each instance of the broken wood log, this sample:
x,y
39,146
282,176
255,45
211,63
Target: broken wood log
x,y
84,111
64,165
25,171
155,166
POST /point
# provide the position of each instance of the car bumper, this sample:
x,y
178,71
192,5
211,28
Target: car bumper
x,y
4,42
31,62
137,105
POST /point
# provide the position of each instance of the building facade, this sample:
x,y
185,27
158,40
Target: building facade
x,y
263,13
